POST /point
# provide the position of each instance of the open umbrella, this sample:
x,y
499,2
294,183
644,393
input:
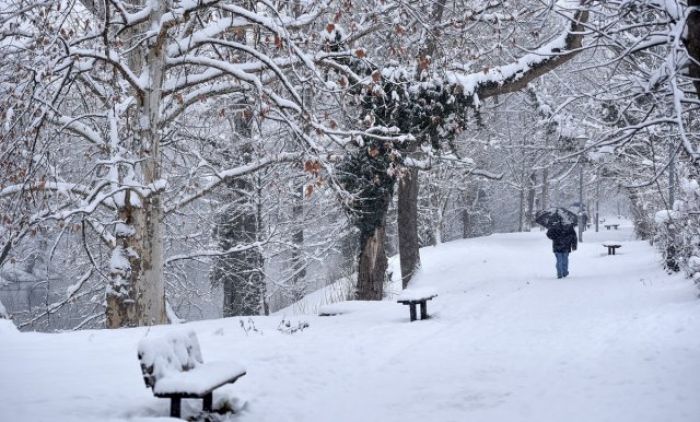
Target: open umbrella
x,y
556,216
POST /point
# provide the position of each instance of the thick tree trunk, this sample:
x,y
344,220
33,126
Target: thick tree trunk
x,y
408,225
372,266
136,296
137,293
150,284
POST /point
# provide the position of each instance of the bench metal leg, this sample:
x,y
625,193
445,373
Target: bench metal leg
x,y
413,311
424,310
207,402
175,407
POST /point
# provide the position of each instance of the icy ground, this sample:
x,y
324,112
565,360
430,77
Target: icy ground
x,y
618,340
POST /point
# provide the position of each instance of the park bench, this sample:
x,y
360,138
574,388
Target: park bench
x,y
172,367
614,226
611,247
417,297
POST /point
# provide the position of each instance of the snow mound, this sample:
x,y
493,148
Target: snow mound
x,y
7,328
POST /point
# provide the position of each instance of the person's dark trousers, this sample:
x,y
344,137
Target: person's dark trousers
x,y
562,264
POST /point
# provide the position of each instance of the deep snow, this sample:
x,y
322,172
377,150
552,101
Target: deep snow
x,y
618,340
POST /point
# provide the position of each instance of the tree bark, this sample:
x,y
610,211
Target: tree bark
x,y
137,293
521,208
693,43
544,202
530,216
372,266
409,254
298,264
466,223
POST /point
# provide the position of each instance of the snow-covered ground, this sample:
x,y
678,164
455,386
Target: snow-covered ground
x,y
618,340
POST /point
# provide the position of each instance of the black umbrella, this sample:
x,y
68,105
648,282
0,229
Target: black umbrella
x,y
556,216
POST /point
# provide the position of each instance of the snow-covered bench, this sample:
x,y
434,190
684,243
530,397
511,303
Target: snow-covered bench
x,y
172,367
612,245
413,297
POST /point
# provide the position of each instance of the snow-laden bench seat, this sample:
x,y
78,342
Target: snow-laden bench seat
x,y
413,297
172,367
612,245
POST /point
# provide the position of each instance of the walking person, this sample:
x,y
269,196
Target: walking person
x,y
564,241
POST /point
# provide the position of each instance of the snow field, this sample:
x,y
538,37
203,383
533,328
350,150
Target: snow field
x,y
617,340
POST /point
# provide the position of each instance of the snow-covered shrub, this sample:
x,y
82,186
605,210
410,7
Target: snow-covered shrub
x,y
665,235
677,234
686,239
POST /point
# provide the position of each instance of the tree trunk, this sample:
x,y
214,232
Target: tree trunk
x,y
407,220
693,43
544,202
437,228
241,273
372,266
409,254
136,296
530,216
466,223
521,208
298,264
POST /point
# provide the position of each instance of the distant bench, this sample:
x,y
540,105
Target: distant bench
x,y
417,297
611,247
172,367
614,226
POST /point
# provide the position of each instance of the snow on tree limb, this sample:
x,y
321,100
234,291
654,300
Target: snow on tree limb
x,y
515,76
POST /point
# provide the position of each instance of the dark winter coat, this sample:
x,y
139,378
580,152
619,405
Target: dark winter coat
x,y
563,238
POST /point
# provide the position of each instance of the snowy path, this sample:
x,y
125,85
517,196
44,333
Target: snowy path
x,y
618,340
